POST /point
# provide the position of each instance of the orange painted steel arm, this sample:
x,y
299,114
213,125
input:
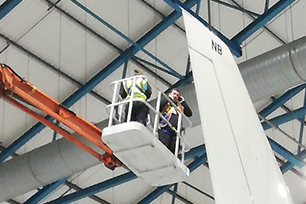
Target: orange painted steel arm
x,y
52,126
12,82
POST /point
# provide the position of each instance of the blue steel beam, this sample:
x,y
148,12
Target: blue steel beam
x,y
89,85
285,153
278,148
174,193
41,194
286,167
99,37
289,165
160,190
128,53
281,100
172,71
195,152
95,188
302,124
285,118
198,7
292,159
7,7
281,41
234,47
261,21
125,69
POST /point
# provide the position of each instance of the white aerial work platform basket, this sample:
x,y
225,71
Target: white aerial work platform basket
x,y
139,148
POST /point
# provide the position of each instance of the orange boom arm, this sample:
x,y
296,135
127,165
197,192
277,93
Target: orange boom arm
x,y
10,82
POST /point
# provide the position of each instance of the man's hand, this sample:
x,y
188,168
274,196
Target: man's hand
x,y
181,99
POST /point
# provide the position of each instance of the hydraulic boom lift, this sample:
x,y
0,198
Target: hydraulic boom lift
x,y
11,84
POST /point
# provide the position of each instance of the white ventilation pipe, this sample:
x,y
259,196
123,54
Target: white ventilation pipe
x,y
275,71
45,165
266,75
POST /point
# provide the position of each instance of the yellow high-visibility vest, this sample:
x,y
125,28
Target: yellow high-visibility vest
x,y
139,90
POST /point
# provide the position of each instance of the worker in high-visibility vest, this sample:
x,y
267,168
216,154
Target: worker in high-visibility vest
x,y
142,90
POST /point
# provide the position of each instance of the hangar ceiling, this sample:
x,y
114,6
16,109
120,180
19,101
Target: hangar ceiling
x,y
73,49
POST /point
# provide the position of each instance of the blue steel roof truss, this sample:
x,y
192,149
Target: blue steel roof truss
x,y
281,100
7,7
106,71
261,21
292,159
131,51
126,55
171,70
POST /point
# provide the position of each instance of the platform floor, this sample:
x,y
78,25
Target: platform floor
x,y
142,152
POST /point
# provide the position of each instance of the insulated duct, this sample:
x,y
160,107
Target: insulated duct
x,y
275,71
266,75
45,165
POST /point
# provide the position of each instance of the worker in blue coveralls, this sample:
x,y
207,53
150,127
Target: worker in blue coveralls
x,y
142,90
